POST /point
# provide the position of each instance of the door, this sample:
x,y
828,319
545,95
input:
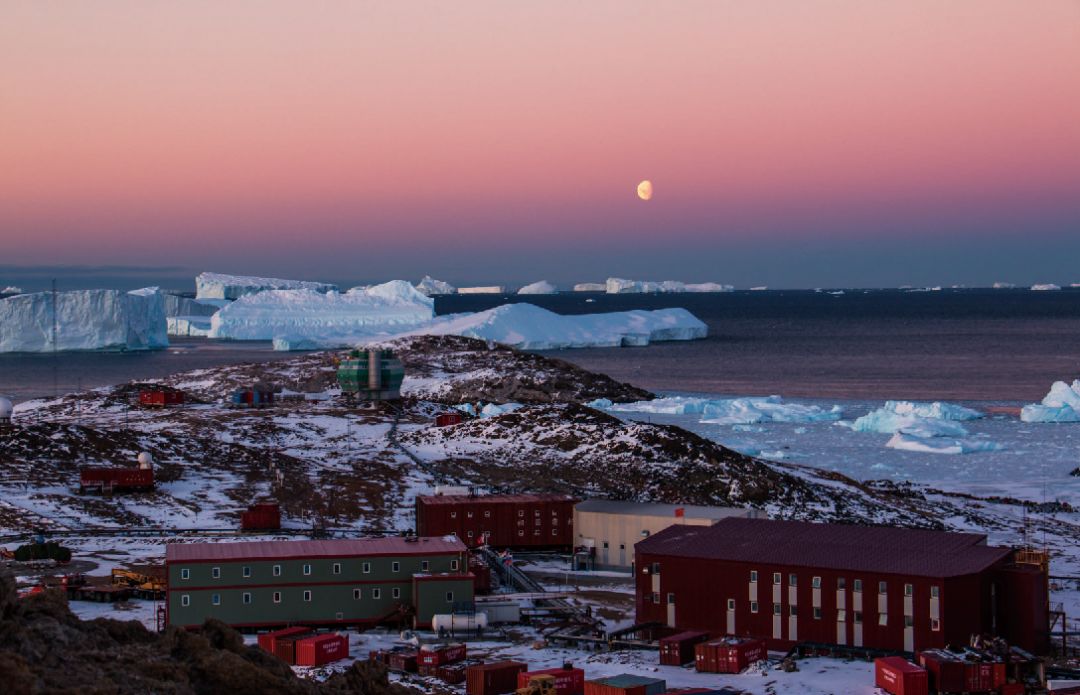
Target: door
x,y
671,610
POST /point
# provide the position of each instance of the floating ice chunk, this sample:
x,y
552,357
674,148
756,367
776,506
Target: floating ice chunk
x,y
1060,404
1004,286
600,403
430,286
733,411
1045,287
888,422
940,445
221,286
936,410
84,320
541,287
493,410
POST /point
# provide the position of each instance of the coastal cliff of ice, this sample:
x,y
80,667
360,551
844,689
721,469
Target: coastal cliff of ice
x,y
221,286
309,315
728,411
84,320
541,287
430,286
1061,404
621,286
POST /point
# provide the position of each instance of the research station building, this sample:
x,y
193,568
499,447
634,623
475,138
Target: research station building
x,y
360,582
502,521
863,586
605,531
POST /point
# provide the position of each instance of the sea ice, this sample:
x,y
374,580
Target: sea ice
x,y
84,320
940,445
1061,404
541,287
732,411
221,286
430,286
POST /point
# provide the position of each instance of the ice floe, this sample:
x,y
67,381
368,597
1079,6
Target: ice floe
x,y
940,445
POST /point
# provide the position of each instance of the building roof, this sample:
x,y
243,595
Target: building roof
x,y
878,549
690,511
492,499
283,550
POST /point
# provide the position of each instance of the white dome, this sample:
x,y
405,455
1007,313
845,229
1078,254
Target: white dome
x,y
6,408
145,460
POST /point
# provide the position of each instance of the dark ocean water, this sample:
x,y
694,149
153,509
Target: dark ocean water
x,y
990,345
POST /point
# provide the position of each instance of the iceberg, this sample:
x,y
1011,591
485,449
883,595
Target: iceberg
x,y
1045,287
84,320
590,287
431,287
1004,286
10,290
622,286
1061,404
728,411
330,319
936,410
220,286
939,445
175,305
188,326
541,287
918,419
489,289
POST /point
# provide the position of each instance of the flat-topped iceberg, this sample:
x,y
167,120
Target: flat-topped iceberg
x,y
291,316
541,287
84,320
1045,287
1061,404
590,287
622,286
728,411
940,445
221,286
431,287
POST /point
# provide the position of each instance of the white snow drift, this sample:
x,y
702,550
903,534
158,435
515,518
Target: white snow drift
x,y
1061,404
728,411
431,287
221,286
540,287
85,320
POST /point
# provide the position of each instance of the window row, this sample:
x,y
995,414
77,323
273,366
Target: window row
x,y
306,569
520,513
357,594
841,584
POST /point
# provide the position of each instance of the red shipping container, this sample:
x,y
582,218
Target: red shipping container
x,y
899,676
443,655
953,673
447,419
679,649
625,684
498,678
161,398
568,681
403,661
260,517
321,649
728,655
269,640
285,648
1013,689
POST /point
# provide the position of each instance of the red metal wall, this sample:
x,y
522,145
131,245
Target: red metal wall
x,y
1022,607
119,478
703,586
517,521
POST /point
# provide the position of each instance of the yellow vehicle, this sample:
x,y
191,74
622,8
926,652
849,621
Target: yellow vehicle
x,y
539,685
148,581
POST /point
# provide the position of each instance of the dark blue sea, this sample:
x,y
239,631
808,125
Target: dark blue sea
x,y
951,344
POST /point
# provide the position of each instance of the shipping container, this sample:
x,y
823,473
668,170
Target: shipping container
x,y
454,674
965,672
285,648
268,641
116,478
899,676
321,649
568,681
678,649
625,684
438,656
403,661
1013,689
448,419
503,521
160,399
728,654
498,678
261,517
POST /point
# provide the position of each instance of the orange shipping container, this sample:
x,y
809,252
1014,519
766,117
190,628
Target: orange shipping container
x,y
899,676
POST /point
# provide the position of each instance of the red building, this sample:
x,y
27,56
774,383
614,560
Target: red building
x,y
863,586
160,398
503,521
115,479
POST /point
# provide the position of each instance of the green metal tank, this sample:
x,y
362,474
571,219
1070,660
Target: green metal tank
x,y
371,375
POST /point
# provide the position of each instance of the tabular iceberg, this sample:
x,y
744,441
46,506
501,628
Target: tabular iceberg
x,y
306,317
1061,404
85,320
430,286
541,287
590,287
728,411
621,286
940,445
221,286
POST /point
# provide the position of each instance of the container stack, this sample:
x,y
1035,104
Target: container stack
x,y
728,654
431,657
963,672
677,650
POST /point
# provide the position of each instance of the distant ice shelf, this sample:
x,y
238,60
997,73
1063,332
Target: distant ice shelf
x,y
622,286
222,286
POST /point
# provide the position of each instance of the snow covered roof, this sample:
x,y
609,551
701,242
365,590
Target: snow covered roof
x,y
879,549
284,550
690,511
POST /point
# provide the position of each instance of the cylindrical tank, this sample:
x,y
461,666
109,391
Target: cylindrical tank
x,y
453,622
374,374
146,461
6,409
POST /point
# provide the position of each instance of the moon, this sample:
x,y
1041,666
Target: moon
x,y
644,189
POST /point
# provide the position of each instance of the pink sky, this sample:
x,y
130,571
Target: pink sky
x,y
136,130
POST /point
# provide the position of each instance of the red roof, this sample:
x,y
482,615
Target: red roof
x,y
880,549
280,550
492,499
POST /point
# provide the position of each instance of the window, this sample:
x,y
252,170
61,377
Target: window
x,y
935,592
247,598
644,533
366,568
605,545
554,513
307,570
882,587
753,576
453,515
908,590
277,570
671,599
247,572
536,522
793,611
376,593
487,513
655,597
277,597
395,592
775,577
776,609
731,604
935,624
655,568
909,621
185,600
395,566
793,580
753,606
858,586
841,616
536,532
337,568
468,515
554,521
424,564
215,572
521,512
883,619
816,582
453,564
185,573
817,613
449,596
858,617
841,583
356,593
622,546
520,532
554,531
215,599
307,596
536,512
469,534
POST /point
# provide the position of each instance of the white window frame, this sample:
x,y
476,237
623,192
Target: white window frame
x,y
185,600
453,564
357,594
215,599
277,597
247,572
754,606
777,578
336,568
185,573
307,569
247,598
449,596
307,595
277,570
753,576
215,572
395,592
424,565
395,566
366,568
376,593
